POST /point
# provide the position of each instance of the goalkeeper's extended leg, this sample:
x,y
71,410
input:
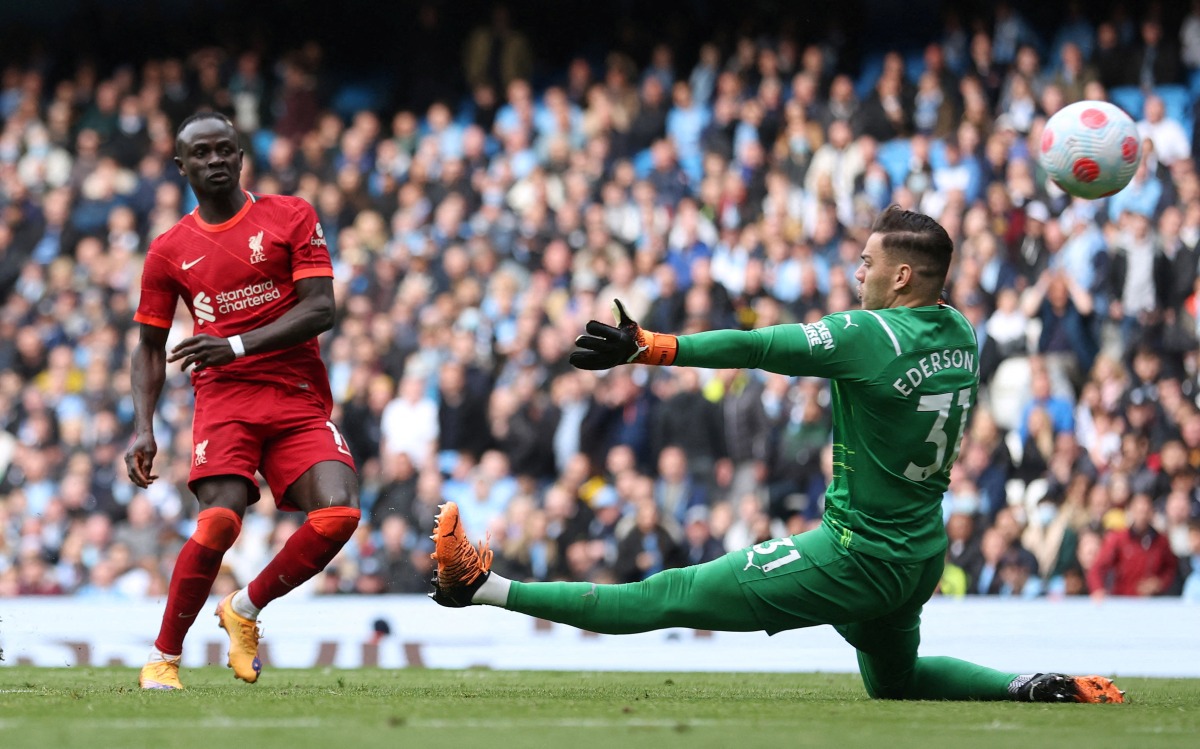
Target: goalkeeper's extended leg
x,y
701,597
705,596
890,668
941,678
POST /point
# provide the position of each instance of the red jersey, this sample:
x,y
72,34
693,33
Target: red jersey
x,y
237,276
1130,558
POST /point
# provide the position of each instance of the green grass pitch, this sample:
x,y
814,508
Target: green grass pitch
x,y
333,709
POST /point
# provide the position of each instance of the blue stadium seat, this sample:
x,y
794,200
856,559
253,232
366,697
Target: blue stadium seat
x,y
1176,101
465,114
937,153
642,163
893,156
914,64
358,96
868,75
1129,98
1194,83
261,143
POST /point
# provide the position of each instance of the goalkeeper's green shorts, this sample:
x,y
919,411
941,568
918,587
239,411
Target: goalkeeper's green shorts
x,y
811,579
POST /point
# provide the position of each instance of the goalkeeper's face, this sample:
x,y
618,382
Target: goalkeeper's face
x,y
875,275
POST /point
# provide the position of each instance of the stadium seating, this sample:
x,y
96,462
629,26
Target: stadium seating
x,y
1129,98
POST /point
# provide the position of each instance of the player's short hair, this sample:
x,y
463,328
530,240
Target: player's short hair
x,y
206,114
921,240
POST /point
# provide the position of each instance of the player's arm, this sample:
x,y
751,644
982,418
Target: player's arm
x,y
148,371
1080,296
783,349
311,316
1031,300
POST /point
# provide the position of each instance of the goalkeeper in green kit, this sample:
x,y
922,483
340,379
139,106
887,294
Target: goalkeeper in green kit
x,y
905,374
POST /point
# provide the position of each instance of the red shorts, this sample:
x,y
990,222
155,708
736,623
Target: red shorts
x,y
281,432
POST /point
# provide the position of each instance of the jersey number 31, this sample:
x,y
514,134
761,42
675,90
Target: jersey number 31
x,y
940,404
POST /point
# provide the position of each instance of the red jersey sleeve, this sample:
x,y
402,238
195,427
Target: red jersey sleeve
x,y
310,252
160,292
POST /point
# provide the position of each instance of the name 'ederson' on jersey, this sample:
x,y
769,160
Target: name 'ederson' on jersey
x,y
904,382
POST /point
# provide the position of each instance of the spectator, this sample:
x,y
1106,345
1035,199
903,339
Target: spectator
x,y
886,113
497,54
1170,141
698,545
1018,577
462,411
1155,59
1136,273
839,160
647,547
690,421
993,548
1064,309
676,491
1074,74
1011,32
1135,561
964,548
394,558
1058,410
410,422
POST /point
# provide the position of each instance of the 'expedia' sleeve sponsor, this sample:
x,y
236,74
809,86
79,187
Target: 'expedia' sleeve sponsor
x,y
160,292
310,251
826,348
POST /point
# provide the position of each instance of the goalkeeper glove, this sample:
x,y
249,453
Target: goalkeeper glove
x,y
604,346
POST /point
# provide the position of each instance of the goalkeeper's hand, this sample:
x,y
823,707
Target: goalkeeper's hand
x,y
605,346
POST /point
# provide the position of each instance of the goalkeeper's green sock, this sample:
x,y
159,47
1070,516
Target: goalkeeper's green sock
x,y
941,678
688,597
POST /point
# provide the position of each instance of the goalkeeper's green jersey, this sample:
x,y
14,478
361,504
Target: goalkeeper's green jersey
x,y
904,382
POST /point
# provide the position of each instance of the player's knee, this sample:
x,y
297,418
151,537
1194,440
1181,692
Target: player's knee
x,y
335,523
217,528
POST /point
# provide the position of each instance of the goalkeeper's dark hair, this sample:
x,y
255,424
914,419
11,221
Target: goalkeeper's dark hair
x,y
920,241
206,114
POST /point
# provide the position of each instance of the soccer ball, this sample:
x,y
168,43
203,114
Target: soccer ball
x,y
1090,149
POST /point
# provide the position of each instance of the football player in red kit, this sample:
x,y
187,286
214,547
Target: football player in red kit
x,y
255,272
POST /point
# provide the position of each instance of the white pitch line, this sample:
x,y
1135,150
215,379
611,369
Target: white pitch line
x,y
122,724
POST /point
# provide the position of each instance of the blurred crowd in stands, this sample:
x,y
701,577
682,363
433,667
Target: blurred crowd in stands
x,y
730,185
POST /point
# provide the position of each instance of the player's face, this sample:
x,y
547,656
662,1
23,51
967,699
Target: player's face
x,y
875,275
209,157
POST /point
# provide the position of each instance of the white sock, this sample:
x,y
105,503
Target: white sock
x,y
157,655
243,606
1015,685
493,592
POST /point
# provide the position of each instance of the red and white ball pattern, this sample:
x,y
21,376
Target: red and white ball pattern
x,y
1090,149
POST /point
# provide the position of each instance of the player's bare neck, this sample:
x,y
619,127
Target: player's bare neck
x,y
219,208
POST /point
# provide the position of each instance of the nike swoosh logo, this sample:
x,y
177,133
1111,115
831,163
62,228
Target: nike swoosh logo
x,y
186,616
283,580
188,266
